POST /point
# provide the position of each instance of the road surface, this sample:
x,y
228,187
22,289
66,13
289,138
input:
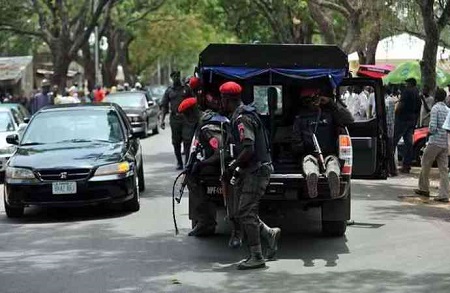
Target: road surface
x,y
395,245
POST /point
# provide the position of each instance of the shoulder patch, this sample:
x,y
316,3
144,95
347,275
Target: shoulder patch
x,y
241,129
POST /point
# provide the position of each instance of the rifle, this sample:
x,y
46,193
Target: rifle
x,y
223,180
194,150
317,147
319,153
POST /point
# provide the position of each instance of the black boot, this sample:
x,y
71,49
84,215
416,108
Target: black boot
x,y
255,261
201,230
177,150
271,235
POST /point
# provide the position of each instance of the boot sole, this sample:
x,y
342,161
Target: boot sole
x,y
334,184
244,268
311,182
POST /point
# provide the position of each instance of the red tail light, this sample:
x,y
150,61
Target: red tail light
x,y
346,153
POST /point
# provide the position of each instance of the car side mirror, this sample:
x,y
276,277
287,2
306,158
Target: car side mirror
x,y
150,103
12,139
26,119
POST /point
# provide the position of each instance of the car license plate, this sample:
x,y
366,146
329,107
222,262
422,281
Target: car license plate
x,y
64,187
213,190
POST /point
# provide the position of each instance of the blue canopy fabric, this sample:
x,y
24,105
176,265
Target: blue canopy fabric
x,y
335,76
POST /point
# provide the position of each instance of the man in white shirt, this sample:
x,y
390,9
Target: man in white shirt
x,y
360,105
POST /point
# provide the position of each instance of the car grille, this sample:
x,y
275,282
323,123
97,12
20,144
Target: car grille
x,y
72,174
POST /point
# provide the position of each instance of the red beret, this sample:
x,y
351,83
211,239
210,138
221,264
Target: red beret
x,y
194,82
230,88
308,92
186,104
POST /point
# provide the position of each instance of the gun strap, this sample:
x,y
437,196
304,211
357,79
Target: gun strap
x,y
319,113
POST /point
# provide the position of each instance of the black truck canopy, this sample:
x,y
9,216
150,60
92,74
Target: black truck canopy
x,y
273,56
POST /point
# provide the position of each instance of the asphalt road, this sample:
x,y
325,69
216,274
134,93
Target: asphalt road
x,y
396,245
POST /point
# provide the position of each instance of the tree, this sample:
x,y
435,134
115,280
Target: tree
x,y
435,16
173,36
64,25
363,22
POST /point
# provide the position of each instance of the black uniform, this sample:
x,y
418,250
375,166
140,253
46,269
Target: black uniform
x,y
182,131
248,130
207,140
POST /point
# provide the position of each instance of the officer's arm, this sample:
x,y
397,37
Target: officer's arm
x,y
341,115
165,104
247,138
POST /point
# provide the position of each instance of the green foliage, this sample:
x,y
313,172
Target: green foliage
x,y
175,34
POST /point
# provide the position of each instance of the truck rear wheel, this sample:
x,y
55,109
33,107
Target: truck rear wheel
x,y
334,228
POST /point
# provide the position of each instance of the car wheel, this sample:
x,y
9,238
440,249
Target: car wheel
x,y
13,212
141,177
133,205
418,152
334,228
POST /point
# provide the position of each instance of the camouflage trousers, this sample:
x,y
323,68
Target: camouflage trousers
x,y
202,211
247,194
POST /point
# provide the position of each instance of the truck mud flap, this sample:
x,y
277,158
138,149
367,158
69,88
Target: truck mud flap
x,y
336,210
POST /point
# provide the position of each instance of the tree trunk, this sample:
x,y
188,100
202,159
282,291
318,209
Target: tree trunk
x,y
432,34
89,66
61,63
324,22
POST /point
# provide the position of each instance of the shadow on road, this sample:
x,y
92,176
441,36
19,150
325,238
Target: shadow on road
x,y
163,262
41,215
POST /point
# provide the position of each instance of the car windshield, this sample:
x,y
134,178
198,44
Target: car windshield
x,y
127,100
87,125
158,91
6,123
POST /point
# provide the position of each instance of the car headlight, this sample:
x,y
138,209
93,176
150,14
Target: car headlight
x,y
19,173
7,150
113,169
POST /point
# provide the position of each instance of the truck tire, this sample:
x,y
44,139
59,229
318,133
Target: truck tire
x,y
334,228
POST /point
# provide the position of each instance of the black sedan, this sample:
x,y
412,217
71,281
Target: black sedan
x,y
75,155
141,109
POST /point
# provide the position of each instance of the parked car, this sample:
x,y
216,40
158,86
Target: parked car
x,y
18,107
157,92
141,109
420,138
8,126
273,76
75,155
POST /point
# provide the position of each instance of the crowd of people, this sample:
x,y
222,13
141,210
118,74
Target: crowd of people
x,y
52,95
408,108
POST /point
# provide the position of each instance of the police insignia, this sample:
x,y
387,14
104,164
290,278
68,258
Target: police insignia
x,y
214,143
241,131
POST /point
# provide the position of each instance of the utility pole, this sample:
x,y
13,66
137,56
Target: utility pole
x,y
96,53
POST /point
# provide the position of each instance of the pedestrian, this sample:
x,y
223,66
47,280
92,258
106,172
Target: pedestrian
x,y
181,130
427,103
406,116
41,99
254,165
360,103
390,102
436,150
99,94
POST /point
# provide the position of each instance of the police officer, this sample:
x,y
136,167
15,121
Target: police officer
x,y
181,131
320,116
253,163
